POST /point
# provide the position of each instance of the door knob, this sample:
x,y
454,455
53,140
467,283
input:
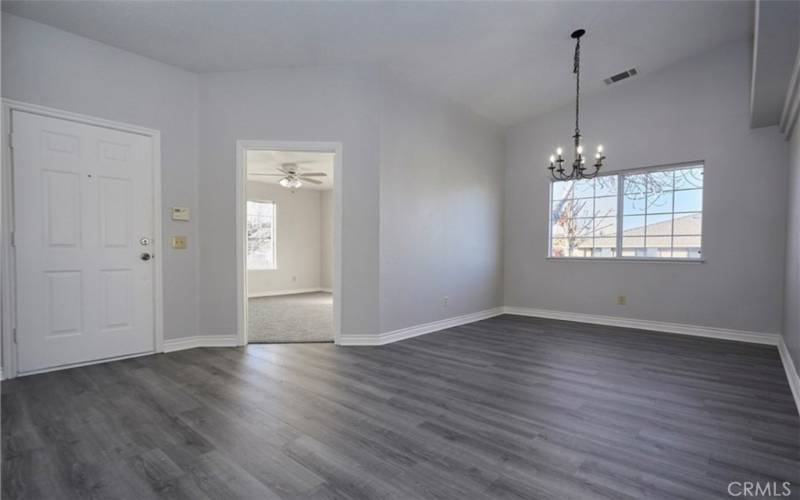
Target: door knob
x,y
145,256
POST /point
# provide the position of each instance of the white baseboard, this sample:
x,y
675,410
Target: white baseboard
x,y
171,345
791,371
292,291
643,324
414,331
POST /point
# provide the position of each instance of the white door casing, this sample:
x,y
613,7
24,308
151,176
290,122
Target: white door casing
x,y
83,200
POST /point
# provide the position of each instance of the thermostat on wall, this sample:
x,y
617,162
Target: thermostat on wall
x,y
180,213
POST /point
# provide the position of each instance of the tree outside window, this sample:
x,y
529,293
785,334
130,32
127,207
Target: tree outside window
x,y
261,235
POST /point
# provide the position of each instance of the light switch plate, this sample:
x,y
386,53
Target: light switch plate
x,y
179,242
180,213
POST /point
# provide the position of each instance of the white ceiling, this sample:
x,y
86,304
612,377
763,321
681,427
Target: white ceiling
x,y
505,61
263,162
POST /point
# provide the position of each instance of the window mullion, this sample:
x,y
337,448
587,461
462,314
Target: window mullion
x,y
620,205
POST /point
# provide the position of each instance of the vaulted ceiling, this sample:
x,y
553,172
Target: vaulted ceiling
x,y
505,61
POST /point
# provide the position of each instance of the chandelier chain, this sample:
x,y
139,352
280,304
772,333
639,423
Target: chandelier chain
x,y
577,70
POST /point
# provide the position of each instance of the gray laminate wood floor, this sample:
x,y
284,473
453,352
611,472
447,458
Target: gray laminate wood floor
x,y
509,407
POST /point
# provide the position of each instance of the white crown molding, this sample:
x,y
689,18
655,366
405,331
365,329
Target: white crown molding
x,y
658,326
171,345
791,372
414,331
791,106
292,291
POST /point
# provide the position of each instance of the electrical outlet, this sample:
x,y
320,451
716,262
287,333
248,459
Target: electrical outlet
x,y
294,278
621,300
179,242
445,301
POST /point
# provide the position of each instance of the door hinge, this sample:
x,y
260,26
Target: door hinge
x,y
14,335
13,239
11,140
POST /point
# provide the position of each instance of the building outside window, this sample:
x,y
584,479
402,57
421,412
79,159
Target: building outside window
x,y
654,213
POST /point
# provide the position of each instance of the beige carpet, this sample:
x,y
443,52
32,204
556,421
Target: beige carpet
x,y
303,317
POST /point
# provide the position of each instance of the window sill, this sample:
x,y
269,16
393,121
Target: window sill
x,y
654,260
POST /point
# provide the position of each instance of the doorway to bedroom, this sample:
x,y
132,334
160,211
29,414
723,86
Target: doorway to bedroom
x,y
289,245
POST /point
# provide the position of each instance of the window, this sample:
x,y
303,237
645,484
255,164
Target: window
x,y
261,235
653,213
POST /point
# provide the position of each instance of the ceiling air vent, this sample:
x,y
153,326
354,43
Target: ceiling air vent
x,y
620,76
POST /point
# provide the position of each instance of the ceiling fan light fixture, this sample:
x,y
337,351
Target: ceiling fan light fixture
x,y
285,182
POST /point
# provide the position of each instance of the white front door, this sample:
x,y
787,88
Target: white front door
x,y
83,211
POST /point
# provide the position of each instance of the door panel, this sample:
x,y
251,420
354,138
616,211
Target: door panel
x,y
61,207
83,199
62,301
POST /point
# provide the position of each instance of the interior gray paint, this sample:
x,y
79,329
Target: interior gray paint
x,y
49,67
326,238
694,110
314,104
774,50
46,66
298,239
500,59
441,210
791,318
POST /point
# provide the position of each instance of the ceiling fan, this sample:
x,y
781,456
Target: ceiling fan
x,y
292,177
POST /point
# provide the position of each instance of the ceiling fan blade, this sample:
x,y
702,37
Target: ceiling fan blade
x,y
284,169
314,174
277,175
312,181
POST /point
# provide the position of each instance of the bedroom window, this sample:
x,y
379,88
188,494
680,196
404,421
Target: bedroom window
x,y
654,213
261,235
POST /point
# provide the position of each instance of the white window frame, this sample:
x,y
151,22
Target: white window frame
x,y
620,204
274,234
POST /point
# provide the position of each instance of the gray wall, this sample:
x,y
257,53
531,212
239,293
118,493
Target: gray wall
x,y
326,239
694,110
422,185
298,237
201,117
791,318
49,67
441,210
318,104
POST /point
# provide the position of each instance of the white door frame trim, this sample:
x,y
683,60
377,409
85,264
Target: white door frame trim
x,y
242,146
7,263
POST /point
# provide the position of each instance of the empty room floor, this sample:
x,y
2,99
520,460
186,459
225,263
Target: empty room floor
x,y
508,407
302,317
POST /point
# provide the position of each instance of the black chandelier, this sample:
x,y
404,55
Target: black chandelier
x,y
579,163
